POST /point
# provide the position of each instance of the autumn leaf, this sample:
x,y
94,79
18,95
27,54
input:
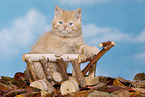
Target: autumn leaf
x,y
118,83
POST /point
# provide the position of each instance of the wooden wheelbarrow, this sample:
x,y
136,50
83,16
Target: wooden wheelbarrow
x,y
71,83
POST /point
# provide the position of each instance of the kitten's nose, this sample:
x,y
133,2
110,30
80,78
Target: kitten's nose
x,y
65,26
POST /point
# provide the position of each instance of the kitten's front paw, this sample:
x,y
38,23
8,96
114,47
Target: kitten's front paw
x,y
93,51
58,54
57,76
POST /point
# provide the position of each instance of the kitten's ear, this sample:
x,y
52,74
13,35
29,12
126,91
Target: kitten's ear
x,y
77,13
58,10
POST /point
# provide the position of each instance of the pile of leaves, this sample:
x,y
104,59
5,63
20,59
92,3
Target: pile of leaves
x,y
14,87
19,87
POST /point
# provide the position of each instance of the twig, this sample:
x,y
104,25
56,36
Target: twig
x,y
16,92
29,94
107,46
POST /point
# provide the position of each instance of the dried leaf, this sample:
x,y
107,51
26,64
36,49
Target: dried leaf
x,y
138,84
19,76
5,87
81,94
139,76
6,80
118,83
112,88
19,96
135,94
139,90
125,82
29,94
103,79
103,88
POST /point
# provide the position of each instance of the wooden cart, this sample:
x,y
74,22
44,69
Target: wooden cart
x,y
71,82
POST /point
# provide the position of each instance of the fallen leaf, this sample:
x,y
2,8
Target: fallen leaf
x,y
118,83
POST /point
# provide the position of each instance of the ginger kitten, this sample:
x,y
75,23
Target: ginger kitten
x,y
64,38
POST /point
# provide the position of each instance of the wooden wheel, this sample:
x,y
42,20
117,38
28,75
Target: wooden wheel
x,y
44,85
69,86
40,84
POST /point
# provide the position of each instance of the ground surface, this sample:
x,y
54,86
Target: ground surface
x,y
107,87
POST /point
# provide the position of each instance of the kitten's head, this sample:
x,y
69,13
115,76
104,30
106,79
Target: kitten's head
x,y
67,23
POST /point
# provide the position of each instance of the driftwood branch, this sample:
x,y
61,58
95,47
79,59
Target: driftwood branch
x,y
31,68
78,72
106,46
62,67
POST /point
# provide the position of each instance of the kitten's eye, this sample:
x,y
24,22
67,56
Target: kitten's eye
x,y
60,22
70,24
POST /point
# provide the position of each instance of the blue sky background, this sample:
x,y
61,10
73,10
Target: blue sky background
x,y
22,22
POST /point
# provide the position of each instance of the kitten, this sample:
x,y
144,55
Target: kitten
x,y
64,38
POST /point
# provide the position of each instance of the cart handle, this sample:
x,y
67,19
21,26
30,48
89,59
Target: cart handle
x,y
106,47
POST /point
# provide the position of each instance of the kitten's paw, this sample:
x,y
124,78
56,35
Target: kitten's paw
x,y
58,54
93,51
57,76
